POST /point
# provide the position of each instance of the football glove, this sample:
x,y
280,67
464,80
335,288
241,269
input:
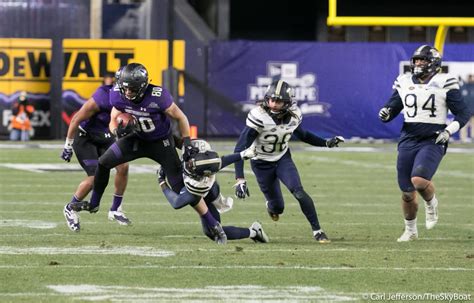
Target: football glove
x,y
443,137
161,176
333,142
188,149
123,130
249,153
67,151
385,113
241,189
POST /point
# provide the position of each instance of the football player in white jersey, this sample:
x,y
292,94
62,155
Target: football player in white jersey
x,y
425,96
202,192
269,128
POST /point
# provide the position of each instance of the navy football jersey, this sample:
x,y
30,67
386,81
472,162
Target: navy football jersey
x,y
99,123
152,121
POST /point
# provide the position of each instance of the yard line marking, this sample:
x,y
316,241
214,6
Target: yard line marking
x,y
199,223
336,213
36,224
219,293
87,250
249,267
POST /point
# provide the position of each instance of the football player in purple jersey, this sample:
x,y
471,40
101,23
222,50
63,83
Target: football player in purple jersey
x,y
89,136
150,137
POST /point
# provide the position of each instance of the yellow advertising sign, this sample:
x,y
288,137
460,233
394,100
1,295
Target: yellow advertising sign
x,y
86,61
24,65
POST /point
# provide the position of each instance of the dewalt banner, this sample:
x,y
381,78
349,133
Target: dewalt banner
x,y
25,65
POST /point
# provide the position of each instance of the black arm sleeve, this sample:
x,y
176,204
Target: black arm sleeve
x,y
181,200
457,106
395,103
246,139
229,159
309,137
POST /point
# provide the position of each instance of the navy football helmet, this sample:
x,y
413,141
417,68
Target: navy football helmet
x,y
433,64
205,163
132,82
279,90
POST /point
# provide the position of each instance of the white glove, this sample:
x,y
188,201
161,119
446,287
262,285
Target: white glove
x,y
443,137
249,153
385,113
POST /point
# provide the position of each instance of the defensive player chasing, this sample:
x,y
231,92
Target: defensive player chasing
x,y
425,96
201,186
269,128
89,135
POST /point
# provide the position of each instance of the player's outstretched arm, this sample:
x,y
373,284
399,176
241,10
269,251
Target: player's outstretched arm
x,y
180,200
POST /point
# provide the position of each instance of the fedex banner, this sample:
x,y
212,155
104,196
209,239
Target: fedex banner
x,y
339,87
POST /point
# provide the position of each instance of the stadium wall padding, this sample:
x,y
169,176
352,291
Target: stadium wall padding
x,y
339,86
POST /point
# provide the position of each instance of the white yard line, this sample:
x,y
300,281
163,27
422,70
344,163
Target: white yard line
x,y
248,267
87,250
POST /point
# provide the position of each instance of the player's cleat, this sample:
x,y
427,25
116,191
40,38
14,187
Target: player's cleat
x,y
119,216
321,237
72,218
79,206
408,236
431,214
274,216
260,235
219,234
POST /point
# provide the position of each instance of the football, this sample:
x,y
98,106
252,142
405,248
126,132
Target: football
x,y
126,119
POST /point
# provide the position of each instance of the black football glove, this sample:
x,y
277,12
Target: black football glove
x,y
188,149
241,189
123,130
333,142
385,114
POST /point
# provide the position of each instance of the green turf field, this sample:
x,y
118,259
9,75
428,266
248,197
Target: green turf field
x,y
165,257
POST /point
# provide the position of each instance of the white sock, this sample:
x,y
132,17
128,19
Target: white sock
x,y
315,232
253,233
410,225
432,202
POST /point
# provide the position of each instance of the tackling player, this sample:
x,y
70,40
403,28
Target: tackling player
x,y
269,128
201,187
425,95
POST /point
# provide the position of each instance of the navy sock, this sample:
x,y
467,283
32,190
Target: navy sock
x,y
117,201
75,199
234,233
209,219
